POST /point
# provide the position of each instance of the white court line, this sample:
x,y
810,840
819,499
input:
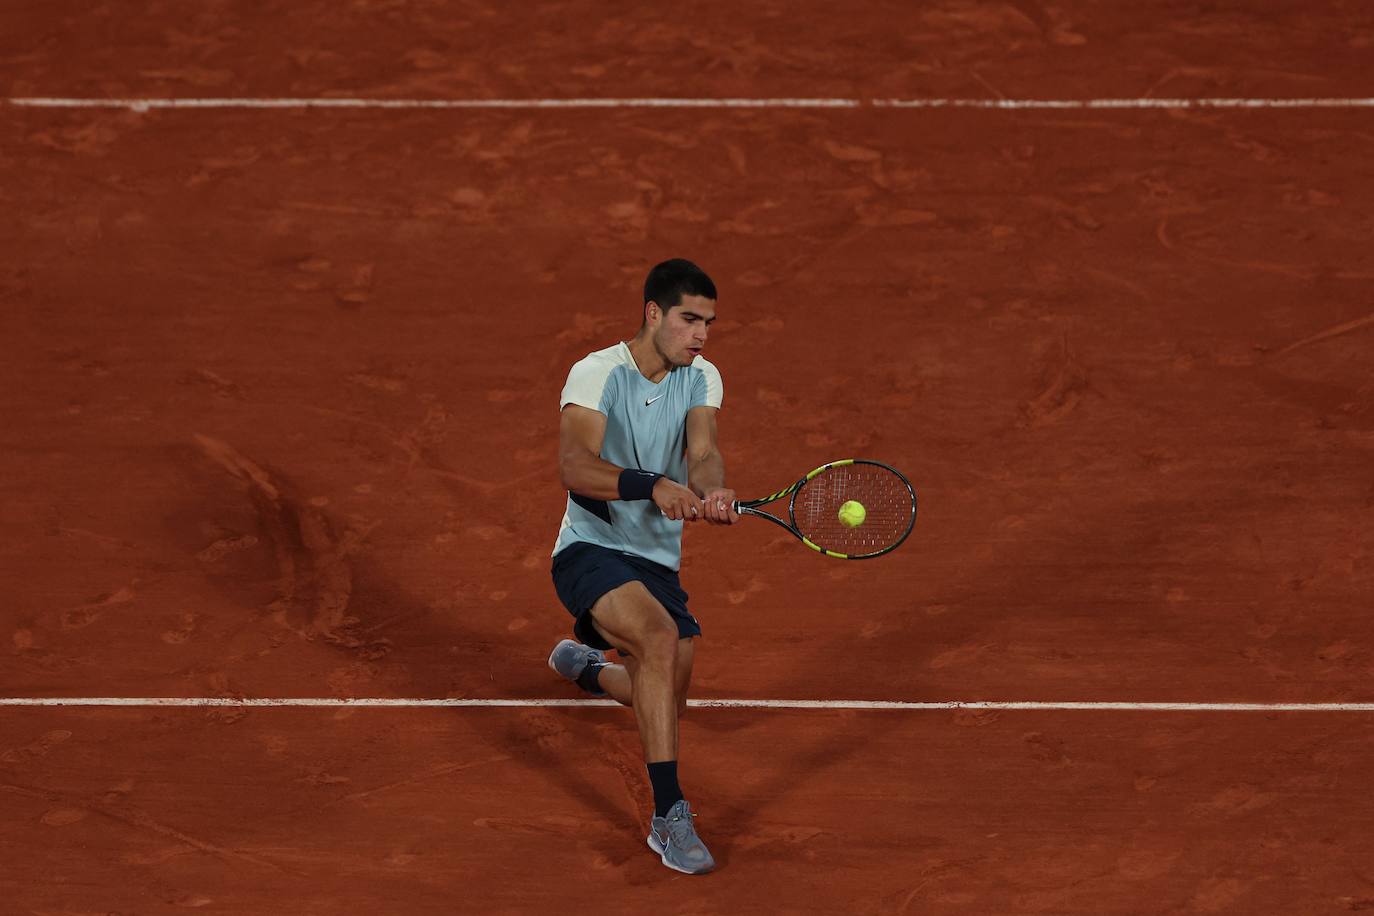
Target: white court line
x,y
331,702
148,104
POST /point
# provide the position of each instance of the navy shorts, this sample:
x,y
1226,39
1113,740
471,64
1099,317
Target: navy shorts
x,y
583,572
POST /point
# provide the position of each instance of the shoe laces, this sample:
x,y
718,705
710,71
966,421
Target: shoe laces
x,y
680,829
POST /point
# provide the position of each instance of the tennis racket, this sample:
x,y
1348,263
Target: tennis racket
x,y
813,509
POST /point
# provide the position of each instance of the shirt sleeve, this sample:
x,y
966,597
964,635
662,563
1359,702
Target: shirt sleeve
x,y
589,385
707,389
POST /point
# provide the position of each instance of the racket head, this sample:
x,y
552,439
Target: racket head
x,y
885,493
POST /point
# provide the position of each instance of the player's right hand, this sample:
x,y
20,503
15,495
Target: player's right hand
x,y
676,501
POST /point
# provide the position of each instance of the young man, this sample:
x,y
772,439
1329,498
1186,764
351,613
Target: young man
x,y
638,456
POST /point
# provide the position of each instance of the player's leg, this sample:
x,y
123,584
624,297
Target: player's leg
x,y
633,621
671,832
582,574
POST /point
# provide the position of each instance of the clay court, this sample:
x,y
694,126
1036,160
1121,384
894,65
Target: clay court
x,y
280,389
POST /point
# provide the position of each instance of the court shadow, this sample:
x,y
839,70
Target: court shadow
x,y
545,742
313,581
787,773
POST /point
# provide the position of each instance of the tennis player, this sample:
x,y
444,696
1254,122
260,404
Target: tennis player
x,y
639,458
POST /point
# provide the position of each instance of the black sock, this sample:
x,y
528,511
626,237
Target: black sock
x,y
663,777
590,678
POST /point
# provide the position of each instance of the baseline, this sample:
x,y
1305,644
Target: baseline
x,y
256,702
149,104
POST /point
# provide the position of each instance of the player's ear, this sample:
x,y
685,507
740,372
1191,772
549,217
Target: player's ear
x,y
651,312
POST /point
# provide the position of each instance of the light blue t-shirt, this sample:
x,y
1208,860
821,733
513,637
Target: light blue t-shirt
x,y
646,428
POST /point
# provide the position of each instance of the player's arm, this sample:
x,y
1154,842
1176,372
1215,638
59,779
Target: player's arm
x,y
584,472
706,466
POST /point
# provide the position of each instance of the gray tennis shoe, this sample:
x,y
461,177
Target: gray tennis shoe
x,y
570,659
676,841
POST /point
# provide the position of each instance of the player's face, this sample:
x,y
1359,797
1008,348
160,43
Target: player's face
x,y
681,332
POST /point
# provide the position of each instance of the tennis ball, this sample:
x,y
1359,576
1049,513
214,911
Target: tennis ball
x,y
852,514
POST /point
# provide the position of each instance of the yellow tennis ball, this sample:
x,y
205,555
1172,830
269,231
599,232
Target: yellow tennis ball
x,y
852,514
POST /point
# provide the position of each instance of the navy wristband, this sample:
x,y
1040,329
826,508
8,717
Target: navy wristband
x,y
637,484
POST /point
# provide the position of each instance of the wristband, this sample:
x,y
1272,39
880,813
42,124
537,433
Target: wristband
x,y
637,484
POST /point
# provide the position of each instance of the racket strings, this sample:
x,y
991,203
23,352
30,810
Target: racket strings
x,y
886,498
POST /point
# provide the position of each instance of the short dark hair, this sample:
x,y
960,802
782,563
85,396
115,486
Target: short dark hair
x,y
668,282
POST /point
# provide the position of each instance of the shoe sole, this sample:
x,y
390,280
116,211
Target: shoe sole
x,y
551,655
654,845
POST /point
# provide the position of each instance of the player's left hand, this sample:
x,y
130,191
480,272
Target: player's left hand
x,y
718,506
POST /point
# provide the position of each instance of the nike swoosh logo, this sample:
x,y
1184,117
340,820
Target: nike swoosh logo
x,y
648,401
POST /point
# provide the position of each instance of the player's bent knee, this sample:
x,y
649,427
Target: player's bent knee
x,y
650,636
632,620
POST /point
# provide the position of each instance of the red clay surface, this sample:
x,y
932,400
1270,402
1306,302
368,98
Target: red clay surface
x,y
806,48
280,401
304,811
